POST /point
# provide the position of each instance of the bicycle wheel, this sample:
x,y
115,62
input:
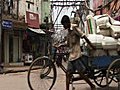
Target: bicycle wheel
x,y
114,67
41,74
100,78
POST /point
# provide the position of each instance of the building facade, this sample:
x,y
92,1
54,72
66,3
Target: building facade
x,y
16,29
12,32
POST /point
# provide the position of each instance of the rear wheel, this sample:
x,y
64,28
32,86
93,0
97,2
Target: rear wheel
x,y
114,67
100,78
41,74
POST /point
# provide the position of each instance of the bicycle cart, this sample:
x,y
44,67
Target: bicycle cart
x,y
97,68
103,64
42,73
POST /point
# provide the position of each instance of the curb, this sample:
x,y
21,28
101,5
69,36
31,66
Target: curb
x,y
13,70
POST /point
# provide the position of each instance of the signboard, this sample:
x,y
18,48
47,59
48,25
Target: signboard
x,y
7,24
32,19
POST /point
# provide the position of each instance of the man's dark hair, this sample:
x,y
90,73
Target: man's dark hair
x,y
65,19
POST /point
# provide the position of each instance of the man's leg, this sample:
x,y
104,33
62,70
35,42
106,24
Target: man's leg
x,y
87,80
67,80
81,68
70,69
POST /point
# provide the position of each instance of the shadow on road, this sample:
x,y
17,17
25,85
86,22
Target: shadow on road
x,y
108,88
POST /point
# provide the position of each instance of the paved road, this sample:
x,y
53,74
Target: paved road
x,y
14,81
79,85
18,81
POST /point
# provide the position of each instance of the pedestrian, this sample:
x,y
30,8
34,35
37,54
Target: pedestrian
x,y
75,55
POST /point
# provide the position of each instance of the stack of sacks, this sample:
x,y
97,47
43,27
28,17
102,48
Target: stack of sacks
x,y
115,31
105,31
96,40
103,24
115,28
102,20
114,22
104,45
111,45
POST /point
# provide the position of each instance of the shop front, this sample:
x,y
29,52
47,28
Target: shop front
x,y
12,40
34,42
33,37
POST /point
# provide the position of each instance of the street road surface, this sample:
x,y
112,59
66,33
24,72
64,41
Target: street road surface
x,y
18,81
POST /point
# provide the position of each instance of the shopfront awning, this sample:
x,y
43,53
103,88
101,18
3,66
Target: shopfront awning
x,y
39,31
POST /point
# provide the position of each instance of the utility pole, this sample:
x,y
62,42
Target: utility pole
x,y
1,8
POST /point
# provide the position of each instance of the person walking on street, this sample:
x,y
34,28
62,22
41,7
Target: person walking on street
x,y
75,55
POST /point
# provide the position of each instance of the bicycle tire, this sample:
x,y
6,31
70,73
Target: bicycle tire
x,y
100,78
115,68
41,74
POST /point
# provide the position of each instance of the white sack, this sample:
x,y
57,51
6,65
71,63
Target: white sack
x,y
109,43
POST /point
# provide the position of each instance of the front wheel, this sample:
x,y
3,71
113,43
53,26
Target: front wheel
x,y
41,74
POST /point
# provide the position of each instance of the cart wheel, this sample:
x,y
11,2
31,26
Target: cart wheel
x,y
114,67
100,78
41,74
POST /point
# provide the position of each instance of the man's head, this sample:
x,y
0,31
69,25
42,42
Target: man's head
x,y
65,21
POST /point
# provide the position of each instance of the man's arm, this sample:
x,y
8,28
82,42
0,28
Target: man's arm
x,y
82,35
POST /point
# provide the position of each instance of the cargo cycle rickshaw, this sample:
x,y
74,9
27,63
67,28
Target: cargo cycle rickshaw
x,y
42,73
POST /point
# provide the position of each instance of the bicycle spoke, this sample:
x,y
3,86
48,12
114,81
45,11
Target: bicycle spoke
x,y
41,76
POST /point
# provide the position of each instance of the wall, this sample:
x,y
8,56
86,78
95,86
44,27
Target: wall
x,y
45,9
31,6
